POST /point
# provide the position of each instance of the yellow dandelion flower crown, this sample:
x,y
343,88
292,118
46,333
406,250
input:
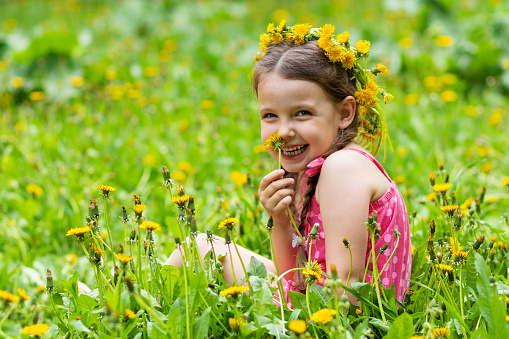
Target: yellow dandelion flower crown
x,y
338,49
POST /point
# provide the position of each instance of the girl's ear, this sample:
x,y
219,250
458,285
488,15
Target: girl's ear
x,y
346,110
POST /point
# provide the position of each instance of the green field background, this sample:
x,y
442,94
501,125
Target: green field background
x,y
130,86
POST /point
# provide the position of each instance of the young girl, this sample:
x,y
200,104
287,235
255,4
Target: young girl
x,y
307,93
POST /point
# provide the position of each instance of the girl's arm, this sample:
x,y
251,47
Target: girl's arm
x,y
275,197
344,192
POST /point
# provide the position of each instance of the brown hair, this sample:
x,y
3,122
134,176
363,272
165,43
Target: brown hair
x,y
309,62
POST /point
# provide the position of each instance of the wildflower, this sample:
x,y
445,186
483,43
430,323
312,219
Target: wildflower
x,y
327,30
502,244
449,95
185,166
93,209
23,294
238,178
442,188
387,97
167,182
302,29
381,69
36,96
444,41
362,46
505,182
440,332
76,81
138,209
323,316
236,323
34,190
9,297
228,223
233,291
129,314
270,224
40,289
275,141
348,60
124,259
150,225
36,330
334,53
358,311
49,280
346,242
78,231
445,268
478,242
297,326
180,201
449,209
106,190
17,82
343,37
431,196
313,272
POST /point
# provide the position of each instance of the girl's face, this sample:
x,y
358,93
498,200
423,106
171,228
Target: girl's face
x,y
302,113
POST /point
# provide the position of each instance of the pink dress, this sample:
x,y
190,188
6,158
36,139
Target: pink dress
x,y
392,215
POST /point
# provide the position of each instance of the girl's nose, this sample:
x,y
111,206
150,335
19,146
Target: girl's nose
x,y
286,130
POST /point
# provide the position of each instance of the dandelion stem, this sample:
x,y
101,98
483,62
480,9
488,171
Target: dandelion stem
x,y
215,316
308,286
350,270
279,283
50,295
243,267
376,275
108,226
390,257
290,270
184,269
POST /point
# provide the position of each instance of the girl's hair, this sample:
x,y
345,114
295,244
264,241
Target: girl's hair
x,y
309,62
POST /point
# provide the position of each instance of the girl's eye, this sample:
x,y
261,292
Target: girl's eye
x,y
303,112
269,115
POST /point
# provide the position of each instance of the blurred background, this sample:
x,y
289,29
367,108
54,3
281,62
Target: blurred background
x,y
107,92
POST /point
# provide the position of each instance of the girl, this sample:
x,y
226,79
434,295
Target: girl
x,y
307,94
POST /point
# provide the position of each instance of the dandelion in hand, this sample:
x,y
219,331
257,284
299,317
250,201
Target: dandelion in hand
x,y
275,141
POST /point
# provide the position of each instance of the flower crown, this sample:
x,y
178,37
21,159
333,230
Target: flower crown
x,y
338,49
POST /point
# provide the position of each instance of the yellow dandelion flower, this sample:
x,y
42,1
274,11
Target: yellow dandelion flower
x,y
76,81
505,182
382,69
461,254
124,259
270,27
502,244
207,104
406,42
265,39
23,294
228,223
372,86
448,79
388,97
297,326
277,38
302,29
259,149
444,41
327,30
313,271
466,204
348,60
449,96
238,178
323,316
34,189
17,82
150,225
445,268
416,337
79,231
366,97
363,110
362,46
442,188
129,314
281,26
139,208
185,167
181,200
36,96
236,323
412,249
496,117
335,53
412,99
9,297
298,39
275,141
36,330
440,332
507,318
431,196
343,37
40,289
233,291
325,43
106,190
449,209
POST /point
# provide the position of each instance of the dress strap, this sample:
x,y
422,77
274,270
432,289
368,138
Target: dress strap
x,y
373,160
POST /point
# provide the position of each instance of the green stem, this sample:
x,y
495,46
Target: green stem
x,y
375,277
215,316
108,227
350,270
50,295
188,321
149,310
309,307
279,283
231,263
243,267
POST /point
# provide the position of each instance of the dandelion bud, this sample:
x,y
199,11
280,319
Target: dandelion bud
x,y
180,190
457,221
408,294
249,181
209,236
430,240
396,233
432,178
346,242
130,284
382,249
125,218
478,205
166,174
450,275
372,221
115,274
137,199
490,245
270,224
492,280
453,198
358,311
190,205
492,254
483,193
93,209
314,232
181,215
431,251
227,238
478,242
132,236
241,228
432,227
441,166
414,214
440,241
334,272
49,281
193,227
177,241
377,233
120,249
446,178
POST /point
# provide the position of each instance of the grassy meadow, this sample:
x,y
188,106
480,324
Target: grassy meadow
x,y
108,92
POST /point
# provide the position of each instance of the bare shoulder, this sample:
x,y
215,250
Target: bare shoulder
x,y
346,161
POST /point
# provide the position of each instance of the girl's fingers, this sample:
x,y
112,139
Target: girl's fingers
x,y
269,178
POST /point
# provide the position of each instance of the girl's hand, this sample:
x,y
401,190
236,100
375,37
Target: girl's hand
x,y
275,195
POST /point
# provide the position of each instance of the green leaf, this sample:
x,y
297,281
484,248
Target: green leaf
x,y
256,268
79,326
201,325
480,333
276,328
402,327
380,324
169,276
471,272
492,309
86,303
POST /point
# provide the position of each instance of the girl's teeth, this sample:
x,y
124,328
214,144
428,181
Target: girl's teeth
x,y
294,151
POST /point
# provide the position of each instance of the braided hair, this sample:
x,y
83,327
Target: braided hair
x,y
309,62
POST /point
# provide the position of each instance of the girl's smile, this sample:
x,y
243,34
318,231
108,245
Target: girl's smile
x,y
303,114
